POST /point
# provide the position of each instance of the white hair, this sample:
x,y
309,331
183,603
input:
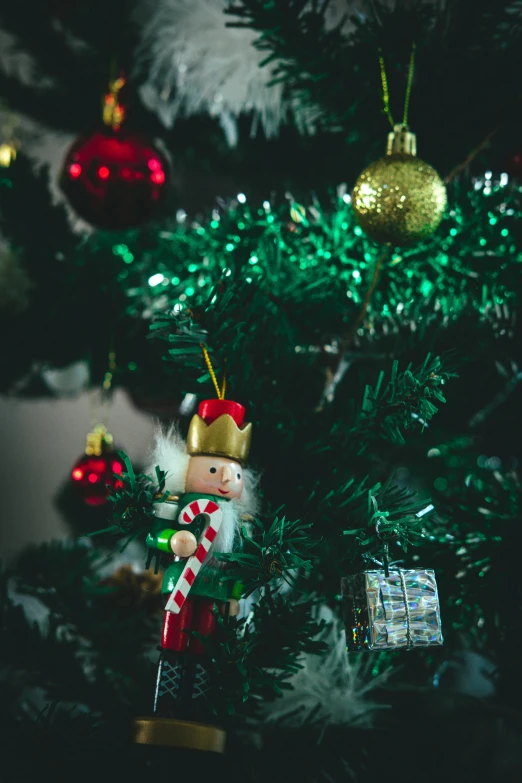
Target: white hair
x,y
169,452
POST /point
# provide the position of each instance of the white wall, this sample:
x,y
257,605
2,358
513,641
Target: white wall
x,y
40,441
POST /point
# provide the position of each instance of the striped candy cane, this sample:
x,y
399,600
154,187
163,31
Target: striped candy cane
x,y
212,511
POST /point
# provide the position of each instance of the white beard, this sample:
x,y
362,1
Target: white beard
x,y
225,541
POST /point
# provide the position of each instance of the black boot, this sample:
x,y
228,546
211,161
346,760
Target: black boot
x,y
167,696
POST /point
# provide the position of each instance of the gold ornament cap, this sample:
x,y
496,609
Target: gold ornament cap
x,y
400,139
219,429
98,441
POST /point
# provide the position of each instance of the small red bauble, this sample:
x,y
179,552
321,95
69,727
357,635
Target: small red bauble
x,y
91,474
114,179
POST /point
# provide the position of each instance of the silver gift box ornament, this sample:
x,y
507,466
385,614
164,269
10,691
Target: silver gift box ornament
x,y
398,611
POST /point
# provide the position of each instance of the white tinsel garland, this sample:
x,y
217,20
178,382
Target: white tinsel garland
x,y
330,689
67,381
196,64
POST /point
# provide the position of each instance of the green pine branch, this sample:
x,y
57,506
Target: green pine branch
x,y
405,401
253,659
131,510
383,513
90,647
270,554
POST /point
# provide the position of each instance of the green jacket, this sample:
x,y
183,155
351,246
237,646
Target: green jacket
x,y
209,583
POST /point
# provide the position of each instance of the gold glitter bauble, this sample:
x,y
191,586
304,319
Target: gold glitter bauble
x,y
399,199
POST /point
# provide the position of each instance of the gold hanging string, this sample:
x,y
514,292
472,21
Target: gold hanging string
x,y
386,92
219,391
100,400
224,381
111,368
411,69
113,113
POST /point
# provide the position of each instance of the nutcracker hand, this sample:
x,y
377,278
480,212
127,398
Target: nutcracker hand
x,y
183,543
233,607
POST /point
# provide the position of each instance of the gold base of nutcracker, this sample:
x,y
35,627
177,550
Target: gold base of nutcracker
x,y
174,733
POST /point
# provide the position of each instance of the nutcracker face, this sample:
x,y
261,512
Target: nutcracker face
x,y
215,476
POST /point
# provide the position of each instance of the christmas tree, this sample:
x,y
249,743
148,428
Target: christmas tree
x,y
234,226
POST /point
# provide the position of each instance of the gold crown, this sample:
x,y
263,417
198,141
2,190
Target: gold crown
x,y
223,438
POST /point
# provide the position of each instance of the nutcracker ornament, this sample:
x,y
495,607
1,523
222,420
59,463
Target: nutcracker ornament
x,y
209,492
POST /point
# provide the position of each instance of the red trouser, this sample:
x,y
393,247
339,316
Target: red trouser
x,y
196,614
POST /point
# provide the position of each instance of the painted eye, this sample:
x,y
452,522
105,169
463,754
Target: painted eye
x,y
239,475
212,470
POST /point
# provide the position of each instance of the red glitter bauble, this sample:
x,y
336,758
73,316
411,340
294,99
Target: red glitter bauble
x,y
114,179
91,474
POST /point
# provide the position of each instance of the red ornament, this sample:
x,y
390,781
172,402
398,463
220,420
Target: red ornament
x,y
91,475
114,179
96,468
